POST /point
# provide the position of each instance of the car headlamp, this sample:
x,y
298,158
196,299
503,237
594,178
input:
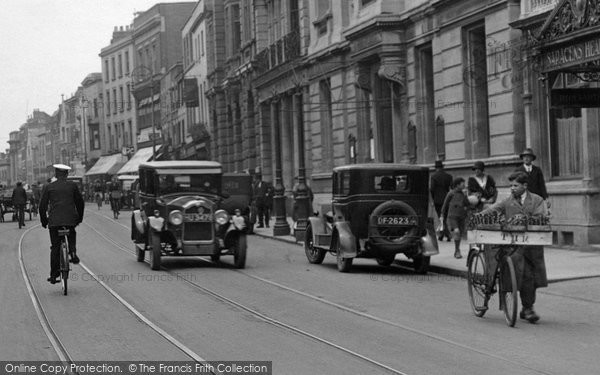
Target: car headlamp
x,y
176,217
221,217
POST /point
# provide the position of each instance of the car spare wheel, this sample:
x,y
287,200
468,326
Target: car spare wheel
x,y
393,234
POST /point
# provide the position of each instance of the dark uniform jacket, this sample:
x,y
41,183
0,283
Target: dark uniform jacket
x,y
262,193
61,204
533,206
536,183
19,196
440,186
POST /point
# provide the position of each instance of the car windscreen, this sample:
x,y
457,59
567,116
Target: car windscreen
x,y
193,183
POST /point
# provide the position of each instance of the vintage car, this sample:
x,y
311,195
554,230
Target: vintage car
x,y
378,211
184,211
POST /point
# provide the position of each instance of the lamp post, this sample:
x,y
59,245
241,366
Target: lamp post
x,y
281,226
301,193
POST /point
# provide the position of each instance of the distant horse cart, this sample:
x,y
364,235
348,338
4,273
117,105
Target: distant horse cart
x,y
6,205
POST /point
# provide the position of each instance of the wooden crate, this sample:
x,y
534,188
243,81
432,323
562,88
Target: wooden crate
x,y
496,237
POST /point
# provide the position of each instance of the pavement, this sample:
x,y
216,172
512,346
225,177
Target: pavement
x,y
562,263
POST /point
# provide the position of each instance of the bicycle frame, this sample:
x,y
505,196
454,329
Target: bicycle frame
x,y
64,257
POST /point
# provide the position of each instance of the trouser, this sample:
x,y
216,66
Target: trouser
x,y
527,287
263,213
20,208
438,210
55,248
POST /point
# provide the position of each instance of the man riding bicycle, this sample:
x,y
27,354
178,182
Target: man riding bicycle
x,y
61,205
529,260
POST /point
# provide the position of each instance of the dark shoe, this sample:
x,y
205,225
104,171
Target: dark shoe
x,y
457,255
260,226
53,280
440,238
74,258
267,225
529,315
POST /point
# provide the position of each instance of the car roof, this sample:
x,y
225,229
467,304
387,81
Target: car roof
x,y
184,164
381,166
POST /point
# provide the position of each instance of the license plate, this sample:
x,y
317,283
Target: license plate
x,y
197,217
396,220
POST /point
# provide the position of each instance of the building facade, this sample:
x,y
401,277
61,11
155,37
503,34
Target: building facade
x,y
157,47
560,50
116,106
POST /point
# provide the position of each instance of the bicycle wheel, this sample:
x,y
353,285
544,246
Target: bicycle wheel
x,y
476,282
64,265
507,285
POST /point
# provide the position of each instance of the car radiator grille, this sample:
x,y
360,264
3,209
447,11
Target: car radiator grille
x,y
198,231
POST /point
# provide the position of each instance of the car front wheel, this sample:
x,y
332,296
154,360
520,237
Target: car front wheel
x,y
155,255
385,261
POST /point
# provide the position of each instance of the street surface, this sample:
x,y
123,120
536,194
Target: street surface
x,y
306,319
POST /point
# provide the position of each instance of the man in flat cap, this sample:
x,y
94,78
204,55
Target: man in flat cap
x,y
61,205
535,183
529,260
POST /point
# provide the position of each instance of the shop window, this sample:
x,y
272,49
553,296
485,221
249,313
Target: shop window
x,y
566,142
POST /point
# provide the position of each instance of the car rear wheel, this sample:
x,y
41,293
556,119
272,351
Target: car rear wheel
x,y
421,263
343,264
239,255
155,255
314,254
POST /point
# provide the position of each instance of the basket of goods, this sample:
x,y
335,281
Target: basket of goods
x,y
494,228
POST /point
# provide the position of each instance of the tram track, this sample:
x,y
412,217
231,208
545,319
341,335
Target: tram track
x,y
50,331
323,301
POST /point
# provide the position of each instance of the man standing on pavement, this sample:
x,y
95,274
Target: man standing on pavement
x,y
529,260
19,200
535,183
439,188
61,205
262,193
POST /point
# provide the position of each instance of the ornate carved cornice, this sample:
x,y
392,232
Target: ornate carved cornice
x,y
570,16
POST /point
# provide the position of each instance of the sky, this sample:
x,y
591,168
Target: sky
x,y
48,47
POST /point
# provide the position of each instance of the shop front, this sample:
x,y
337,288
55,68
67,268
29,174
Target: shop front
x,y
562,107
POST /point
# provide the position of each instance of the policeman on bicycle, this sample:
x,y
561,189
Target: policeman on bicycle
x,y
61,205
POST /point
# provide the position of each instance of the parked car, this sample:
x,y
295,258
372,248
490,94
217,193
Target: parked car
x,y
378,211
183,213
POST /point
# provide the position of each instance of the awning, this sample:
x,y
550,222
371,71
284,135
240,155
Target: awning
x,y
109,164
142,155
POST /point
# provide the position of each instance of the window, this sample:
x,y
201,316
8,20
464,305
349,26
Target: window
x,y
477,126
126,62
95,107
108,102
122,99
114,70
106,71
130,132
120,65
128,97
95,137
247,16
366,2
326,113
116,101
425,99
109,136
202,42
566,142
323,15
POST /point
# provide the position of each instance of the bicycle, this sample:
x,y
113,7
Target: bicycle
x,y
504,279
64,269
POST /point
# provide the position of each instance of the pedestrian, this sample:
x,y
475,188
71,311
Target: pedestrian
x,y
61,205
263,198
529,260
295,195
454,212
441,181
535,182
481,188
19,200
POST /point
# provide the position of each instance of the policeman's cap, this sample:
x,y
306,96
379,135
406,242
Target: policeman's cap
x,y
62,167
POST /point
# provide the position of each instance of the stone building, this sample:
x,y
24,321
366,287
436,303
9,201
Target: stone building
x,y
157,47
90,116
116,103
560,51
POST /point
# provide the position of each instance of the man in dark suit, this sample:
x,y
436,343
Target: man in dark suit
x,y
63,201
19,200
263,196
529,260
536,183
439,188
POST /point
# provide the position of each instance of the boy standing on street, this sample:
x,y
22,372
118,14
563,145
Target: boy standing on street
x,y
454,212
